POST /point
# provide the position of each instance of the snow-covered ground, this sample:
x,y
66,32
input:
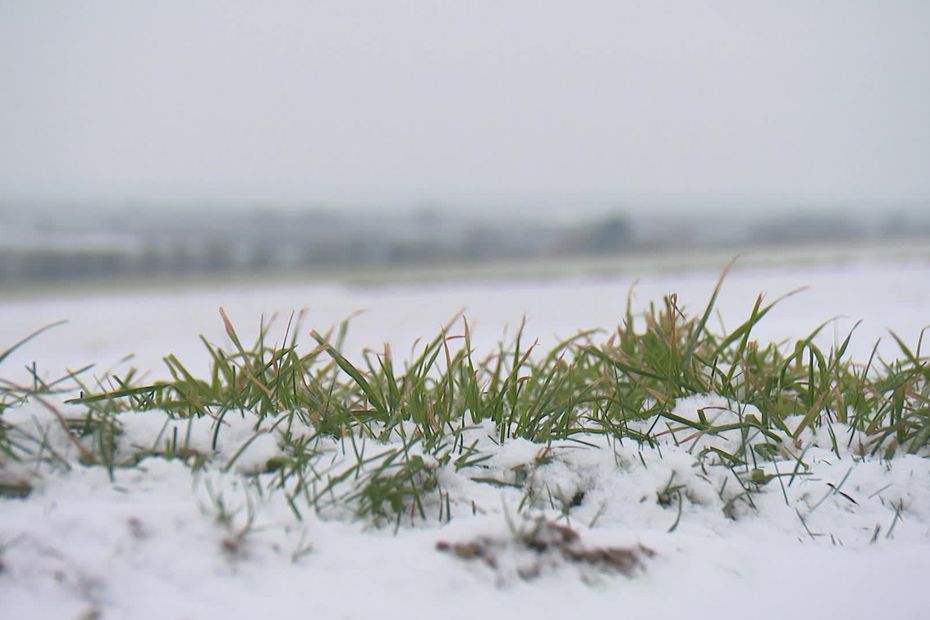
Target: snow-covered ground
x,y
846,537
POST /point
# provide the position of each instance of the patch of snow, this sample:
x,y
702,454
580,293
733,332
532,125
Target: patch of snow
x,y
816,532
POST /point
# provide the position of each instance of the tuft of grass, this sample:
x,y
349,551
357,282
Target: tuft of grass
x,y
16,442
399,424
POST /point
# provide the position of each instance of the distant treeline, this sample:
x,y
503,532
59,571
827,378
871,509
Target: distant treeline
x,y
153,246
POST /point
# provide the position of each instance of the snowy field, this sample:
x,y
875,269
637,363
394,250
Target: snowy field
x,y
849,538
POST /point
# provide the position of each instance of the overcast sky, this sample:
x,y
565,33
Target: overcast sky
x,y
188,101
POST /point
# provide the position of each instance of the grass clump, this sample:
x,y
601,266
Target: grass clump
x,y
17,442
376,435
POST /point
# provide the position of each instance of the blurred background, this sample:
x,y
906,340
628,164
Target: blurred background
x,y
146,142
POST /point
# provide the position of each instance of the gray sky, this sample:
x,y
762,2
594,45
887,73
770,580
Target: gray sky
x,y
287,102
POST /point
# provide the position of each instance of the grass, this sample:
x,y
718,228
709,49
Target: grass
x,y
17,442
398,425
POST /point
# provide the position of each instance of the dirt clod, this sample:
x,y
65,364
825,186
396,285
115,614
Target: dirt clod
x,y
545,544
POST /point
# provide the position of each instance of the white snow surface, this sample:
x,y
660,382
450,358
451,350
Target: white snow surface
x,y
841,535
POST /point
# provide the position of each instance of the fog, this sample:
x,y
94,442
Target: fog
x,y
571,105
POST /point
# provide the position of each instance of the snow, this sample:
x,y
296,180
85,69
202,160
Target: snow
x,y
846,536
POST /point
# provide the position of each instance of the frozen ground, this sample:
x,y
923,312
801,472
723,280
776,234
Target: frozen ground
x,y
150,544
